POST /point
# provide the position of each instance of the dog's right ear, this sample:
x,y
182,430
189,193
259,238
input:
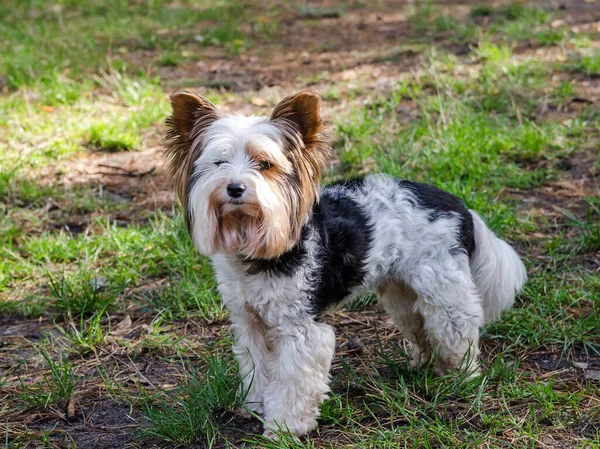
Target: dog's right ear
x,y
188,110
192,114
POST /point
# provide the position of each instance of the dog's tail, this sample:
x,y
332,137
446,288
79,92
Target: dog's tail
x,y
497,270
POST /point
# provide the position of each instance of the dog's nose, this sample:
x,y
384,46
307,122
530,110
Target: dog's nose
x,y
235,190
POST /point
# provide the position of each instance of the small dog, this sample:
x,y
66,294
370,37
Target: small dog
x,y
285,250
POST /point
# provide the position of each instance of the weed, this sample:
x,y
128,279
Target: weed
x,y
86,336
586,63
190,414
57,387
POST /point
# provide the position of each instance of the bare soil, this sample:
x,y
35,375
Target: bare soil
x,y
366,47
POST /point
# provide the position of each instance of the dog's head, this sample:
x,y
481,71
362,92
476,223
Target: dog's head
x,y
247,184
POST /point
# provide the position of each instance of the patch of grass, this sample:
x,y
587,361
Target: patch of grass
x,y
105,263
105,138
190,414
170,59
586,63
564,91
88,335
420,17
56,387
519,21
65,39
81,295
589,239
337,411
493,53
562,313
445,23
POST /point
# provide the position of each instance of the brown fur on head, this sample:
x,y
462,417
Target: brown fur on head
x,y
300,117
279,159
192,114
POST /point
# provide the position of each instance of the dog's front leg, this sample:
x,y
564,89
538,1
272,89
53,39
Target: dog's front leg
x,y
252,351
298,374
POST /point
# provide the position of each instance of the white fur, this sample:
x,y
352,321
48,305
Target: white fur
x,y
428,291
497,270
226,141
284,366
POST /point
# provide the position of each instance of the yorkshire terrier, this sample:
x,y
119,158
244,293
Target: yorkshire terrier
x,y
285,250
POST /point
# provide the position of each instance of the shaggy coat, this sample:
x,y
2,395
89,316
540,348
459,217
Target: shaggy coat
x,y
285,250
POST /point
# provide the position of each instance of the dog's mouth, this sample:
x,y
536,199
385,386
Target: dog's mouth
x,y
239,207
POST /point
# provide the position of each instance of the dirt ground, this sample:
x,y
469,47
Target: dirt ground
x,y
363,51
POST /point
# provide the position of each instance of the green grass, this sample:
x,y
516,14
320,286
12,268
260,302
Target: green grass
x,y
586,62
105,305
192,412
61,41
471,137
106,256
56,387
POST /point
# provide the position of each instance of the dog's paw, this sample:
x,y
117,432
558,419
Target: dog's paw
x,y
297,428
268,433
420,358
252,408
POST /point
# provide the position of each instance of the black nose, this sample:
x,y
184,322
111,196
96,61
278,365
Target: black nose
x,y
235,190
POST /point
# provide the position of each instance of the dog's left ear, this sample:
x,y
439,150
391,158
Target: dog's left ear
x,y
304,111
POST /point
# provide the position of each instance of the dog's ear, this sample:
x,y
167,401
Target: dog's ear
x,y
300,116
188,109
192,114
303,110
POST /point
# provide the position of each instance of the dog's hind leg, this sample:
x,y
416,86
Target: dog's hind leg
x,y
399,301
452,313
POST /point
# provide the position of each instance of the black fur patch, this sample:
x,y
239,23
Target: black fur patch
x,y
346,237
284,265
441,203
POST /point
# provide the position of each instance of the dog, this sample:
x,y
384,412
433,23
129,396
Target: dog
x,y
286,249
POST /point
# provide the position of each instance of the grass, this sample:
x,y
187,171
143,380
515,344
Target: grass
x,y
586,62
191,414
55,42
56,387
100,270
106,308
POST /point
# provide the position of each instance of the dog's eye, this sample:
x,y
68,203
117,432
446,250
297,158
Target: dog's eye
x,y
217,163
265,165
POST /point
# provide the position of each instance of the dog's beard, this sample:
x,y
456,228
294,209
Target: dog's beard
x,y
252,232
259,226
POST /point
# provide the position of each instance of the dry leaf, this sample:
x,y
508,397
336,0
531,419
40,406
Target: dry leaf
x,y
258,101
592,374
122,326
70,409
